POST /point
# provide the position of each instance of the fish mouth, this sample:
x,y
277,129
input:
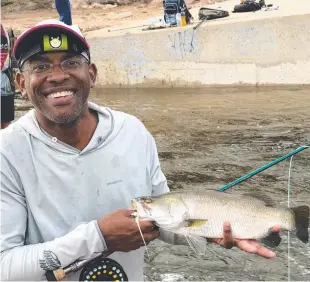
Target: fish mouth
x,y
141,208
133,204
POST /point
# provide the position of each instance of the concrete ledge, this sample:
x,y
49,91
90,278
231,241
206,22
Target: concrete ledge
x,y
260,51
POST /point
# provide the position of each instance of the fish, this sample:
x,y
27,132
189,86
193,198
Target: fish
x,y
200,214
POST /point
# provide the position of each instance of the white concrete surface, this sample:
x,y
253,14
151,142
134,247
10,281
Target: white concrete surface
x,y
246,48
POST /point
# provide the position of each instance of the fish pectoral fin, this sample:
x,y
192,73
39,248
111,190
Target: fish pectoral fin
x,y
196,222
197,243
273,239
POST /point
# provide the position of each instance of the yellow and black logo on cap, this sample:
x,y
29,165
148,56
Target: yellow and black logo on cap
x,y
57,43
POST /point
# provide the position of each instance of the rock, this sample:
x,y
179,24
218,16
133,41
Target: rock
x,y
124,15
109,6
84,6
168,258
97,6
80,2
76,4
114,16
101,6
189,2
31,5
104,2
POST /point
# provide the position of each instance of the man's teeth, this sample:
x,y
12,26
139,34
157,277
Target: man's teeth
x,y
61,94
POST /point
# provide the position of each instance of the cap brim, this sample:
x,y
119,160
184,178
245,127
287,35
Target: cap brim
x,y
20,42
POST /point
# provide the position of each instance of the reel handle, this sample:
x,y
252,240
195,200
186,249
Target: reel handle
x,y
55,275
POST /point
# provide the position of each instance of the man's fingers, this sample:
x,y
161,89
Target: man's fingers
x,y
254,247
264,252
150,236
276,228
246,245
146,225
126,212
228,240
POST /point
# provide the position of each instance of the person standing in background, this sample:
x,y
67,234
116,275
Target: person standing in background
x,y
64,10
7,84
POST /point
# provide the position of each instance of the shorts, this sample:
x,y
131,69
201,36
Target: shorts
x,y
7,108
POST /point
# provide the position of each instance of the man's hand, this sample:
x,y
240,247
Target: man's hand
x,y
250,246
121,232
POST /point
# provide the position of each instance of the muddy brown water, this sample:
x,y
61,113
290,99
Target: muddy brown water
x,y
207,138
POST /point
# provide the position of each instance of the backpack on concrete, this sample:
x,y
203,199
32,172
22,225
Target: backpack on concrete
x,y
172,7
249,6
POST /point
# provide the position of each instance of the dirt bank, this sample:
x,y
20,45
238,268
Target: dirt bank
x,y
23,14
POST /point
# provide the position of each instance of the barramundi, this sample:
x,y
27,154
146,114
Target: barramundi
x,y
200,214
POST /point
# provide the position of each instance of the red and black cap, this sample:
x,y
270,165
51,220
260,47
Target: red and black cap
x,y
50,36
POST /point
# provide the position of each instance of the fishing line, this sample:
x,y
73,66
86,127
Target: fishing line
x,y
288,232
262,168
136,218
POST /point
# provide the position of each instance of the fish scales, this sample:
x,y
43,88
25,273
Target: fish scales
x,y
246,218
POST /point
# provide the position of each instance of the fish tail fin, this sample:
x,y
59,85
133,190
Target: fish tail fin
x,y
273,239
301,214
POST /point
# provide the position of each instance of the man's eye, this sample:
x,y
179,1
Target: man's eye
x,y
41,68
71,64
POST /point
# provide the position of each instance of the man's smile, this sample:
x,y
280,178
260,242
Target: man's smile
x,y
60,98
60,94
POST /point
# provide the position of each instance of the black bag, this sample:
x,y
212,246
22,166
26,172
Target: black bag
x,y
211,14
248,6
172,7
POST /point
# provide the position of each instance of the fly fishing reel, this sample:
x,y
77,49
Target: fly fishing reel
x,y
103,269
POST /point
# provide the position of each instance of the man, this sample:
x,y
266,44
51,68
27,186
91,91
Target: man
x,y
64,10
70,168
7,84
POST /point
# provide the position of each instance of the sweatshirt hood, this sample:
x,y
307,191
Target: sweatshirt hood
x,y
109,124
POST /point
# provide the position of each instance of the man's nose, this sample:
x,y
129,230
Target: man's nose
x,y
57,74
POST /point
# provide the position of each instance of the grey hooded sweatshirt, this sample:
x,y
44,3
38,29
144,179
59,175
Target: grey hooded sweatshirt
x,y
52,194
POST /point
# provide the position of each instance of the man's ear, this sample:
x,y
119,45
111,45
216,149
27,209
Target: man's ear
x,y
20,80
93,72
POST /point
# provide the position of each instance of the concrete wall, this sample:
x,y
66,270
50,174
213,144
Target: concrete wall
x,y
265,51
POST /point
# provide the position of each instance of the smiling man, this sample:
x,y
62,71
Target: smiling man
x,y
70,168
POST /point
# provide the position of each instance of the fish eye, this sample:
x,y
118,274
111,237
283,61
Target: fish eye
x,y
148,201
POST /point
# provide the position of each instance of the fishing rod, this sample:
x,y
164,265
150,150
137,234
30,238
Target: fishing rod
x,y
124,28
200,23
61,273
262,168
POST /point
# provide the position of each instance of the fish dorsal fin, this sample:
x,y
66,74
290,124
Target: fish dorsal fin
x,y
260,197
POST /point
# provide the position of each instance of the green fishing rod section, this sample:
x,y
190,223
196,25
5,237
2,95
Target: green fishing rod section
x,y
262,168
